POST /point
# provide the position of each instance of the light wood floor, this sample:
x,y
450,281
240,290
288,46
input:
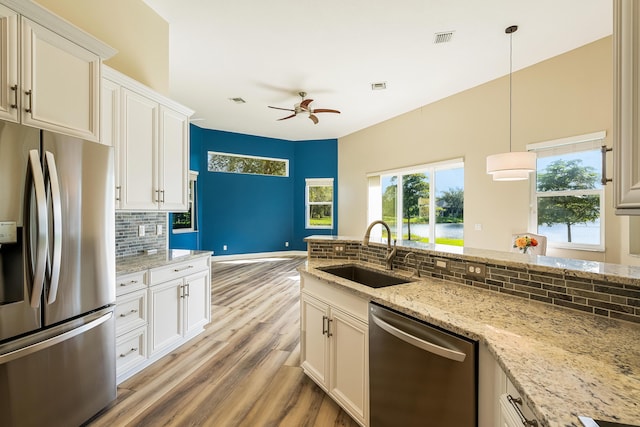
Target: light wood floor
x,y
244,370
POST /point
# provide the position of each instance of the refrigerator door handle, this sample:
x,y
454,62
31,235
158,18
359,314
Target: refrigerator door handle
x,y
41,345
36,262
54,261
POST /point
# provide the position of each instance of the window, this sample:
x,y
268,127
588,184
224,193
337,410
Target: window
x,y
567,194
319,203
183,222
423,203
237,163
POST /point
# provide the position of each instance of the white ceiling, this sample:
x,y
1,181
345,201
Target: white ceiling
x,y
267,51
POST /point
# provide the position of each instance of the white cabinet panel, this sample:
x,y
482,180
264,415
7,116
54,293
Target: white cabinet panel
x,y
60,83
166,314
197,302
314,347
9,88
173,170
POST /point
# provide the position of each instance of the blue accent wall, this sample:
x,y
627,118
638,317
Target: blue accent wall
x,y
254,213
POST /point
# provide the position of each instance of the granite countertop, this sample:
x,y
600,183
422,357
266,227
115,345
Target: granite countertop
x,y
563,362
135,263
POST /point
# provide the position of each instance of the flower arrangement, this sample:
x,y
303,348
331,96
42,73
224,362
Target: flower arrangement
x,y
524,242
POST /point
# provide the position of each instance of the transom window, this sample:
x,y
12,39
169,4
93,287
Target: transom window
x,y
567,194
421,203
319,203
245,164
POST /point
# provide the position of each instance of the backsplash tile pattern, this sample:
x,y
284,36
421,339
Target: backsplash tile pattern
x,y
127,240
600,297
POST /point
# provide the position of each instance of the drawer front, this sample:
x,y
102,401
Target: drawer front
x,y
131,282
353,304
131,311
131,349
177,270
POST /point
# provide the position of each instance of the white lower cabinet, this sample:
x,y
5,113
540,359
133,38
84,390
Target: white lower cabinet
x,y
334,345
158,310
498,398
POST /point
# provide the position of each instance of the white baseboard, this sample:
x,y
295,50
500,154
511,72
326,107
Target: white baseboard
x,y
215,258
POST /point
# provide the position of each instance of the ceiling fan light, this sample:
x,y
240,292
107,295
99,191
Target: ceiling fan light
x,y
511,166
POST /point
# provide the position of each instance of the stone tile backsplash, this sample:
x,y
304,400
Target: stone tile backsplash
x,y
127,240
600,297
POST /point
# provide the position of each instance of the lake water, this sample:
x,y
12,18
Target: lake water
x,y
580,233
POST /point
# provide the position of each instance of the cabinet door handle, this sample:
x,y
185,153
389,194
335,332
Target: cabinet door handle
x,y
515,401
329,334
188,293
119,192
181,291
132,282
14,88
129,313
29,94
162,196
133,350
603,152
324,325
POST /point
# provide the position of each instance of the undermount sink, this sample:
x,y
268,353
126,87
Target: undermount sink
x,y
365,276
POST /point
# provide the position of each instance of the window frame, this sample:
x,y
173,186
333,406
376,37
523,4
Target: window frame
x,y
318,182
247,156
191,206
374,194
573,144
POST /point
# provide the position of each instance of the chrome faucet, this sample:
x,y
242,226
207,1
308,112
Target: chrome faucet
x,y
391,252
418,264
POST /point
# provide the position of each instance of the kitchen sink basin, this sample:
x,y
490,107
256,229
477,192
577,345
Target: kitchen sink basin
x,y
365,276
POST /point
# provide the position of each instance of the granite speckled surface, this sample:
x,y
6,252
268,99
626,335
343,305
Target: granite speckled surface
x,y
135,263
564,363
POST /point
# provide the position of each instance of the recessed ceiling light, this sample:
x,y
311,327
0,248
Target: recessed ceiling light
x,y
379,86
443,37
238,100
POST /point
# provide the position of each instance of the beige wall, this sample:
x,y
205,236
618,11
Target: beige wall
x,y
564,96
139,34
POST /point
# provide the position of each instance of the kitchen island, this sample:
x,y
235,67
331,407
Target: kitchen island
x,y
563,361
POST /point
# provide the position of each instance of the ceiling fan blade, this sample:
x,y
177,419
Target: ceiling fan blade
x,y
288,117
278,108
325,110
305,104
314,119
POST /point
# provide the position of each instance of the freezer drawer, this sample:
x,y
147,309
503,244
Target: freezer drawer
x,y
63,380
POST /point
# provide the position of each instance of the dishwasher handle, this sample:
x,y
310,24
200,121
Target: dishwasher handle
x,y
418,342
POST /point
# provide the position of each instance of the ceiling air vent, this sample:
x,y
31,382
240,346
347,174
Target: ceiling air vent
x,y
238,100
379,86
444,37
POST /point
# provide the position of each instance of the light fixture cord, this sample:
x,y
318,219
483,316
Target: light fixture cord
x,y
510,86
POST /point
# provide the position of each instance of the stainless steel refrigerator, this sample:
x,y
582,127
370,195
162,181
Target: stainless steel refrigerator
x,y
57,278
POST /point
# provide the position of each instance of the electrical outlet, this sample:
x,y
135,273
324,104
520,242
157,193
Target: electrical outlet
x,y
141,231
224,247
158,229
338,249
442,264
286,244
476,270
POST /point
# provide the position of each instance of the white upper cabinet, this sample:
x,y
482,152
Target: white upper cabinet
x,y
626,106
150,134
50,71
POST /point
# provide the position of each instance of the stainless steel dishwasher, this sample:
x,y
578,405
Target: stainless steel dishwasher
x,y
419,375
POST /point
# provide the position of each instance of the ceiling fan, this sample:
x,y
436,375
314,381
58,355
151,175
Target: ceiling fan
x,y
303,107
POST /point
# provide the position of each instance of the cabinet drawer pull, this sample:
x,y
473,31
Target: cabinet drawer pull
x,y
29,94
133,350
182,268
515,401
127,314
132,282
14,88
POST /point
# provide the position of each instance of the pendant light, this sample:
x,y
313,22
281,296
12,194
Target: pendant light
x,y
514,165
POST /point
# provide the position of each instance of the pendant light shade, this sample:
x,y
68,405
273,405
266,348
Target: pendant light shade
x,y
514,165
